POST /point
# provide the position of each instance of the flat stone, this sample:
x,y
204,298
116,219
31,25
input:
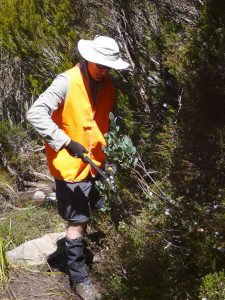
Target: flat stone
x,y
35,252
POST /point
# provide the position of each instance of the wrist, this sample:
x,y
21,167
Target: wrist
x,y
67,143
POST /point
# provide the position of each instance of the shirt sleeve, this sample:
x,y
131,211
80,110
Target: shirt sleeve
x,y
39,115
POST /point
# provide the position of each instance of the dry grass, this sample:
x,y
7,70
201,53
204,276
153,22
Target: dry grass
x,y
30,284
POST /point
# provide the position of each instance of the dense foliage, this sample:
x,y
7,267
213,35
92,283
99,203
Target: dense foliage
x,y
169,242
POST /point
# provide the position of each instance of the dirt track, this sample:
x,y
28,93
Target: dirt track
x,y
38,285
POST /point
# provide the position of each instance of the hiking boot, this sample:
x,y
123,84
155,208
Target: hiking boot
x,y
87,291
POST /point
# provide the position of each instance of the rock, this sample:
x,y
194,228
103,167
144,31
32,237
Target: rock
x,y
35,252
51,197
39,195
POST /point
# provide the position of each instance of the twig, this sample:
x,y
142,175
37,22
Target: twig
x,y
10,188
14,295
35,184
43,176
37,150
9,205
142,166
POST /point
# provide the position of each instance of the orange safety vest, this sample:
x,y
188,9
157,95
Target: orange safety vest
x,y
83,123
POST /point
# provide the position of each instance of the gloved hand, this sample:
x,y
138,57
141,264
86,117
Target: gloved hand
x,y
76,149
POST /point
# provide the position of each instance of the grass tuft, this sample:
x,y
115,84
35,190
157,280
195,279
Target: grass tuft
x,y
3,266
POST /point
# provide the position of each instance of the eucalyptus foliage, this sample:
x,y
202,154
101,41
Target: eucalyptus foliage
x,y
120,148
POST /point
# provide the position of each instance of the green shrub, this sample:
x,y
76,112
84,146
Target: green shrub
x,y
213,286
17,148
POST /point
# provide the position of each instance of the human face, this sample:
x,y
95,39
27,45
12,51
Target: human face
x,y
97,72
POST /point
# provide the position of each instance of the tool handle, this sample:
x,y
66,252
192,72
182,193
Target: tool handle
x,y
97,169
109,180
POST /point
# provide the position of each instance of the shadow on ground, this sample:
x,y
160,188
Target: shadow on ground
x,y
49,282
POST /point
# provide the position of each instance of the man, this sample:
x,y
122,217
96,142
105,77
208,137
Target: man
x,y
72,115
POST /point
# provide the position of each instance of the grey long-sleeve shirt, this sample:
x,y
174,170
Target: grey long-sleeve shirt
x,y
39,115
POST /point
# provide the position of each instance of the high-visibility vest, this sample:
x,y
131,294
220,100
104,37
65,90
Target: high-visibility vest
x,y
83,123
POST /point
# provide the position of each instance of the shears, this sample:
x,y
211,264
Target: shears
x,y
107,175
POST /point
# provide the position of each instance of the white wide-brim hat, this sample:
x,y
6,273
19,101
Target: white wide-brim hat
x,y
102,50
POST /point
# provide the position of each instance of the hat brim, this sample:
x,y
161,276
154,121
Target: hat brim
x,y
87,51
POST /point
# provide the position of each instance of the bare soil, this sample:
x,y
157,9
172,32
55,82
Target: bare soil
x,y
38,285
51,282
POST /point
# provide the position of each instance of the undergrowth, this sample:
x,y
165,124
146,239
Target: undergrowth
x,y
30,222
